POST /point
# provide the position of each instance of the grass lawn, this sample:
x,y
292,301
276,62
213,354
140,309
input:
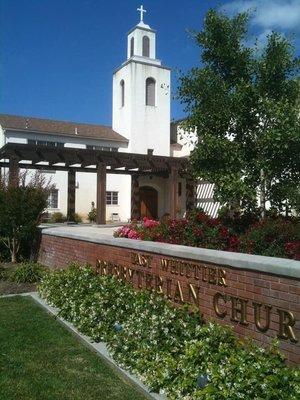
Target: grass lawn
x,y
41,360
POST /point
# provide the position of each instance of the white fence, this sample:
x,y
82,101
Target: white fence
x,y
205,200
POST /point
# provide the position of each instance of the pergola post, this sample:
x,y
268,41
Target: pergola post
x,y
135,198
13,176
173,192
101,194
71,195
191,190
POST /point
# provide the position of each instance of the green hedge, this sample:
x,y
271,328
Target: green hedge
x,y
169,348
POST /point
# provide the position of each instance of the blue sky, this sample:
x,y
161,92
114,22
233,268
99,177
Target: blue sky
x,y
57,56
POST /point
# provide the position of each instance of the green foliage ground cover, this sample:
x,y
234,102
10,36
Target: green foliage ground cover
x,y
169,348
41,360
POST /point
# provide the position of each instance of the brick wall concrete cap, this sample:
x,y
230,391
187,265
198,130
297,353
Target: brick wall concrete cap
x,y
271,265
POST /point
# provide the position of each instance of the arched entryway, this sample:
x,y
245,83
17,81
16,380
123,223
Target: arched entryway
x,y
149,202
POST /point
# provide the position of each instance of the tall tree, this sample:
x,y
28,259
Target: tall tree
x,y
242,101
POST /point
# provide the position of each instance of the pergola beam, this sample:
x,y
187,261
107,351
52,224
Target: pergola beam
x,y
83,157
52,167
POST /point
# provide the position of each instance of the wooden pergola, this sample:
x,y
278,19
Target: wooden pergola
x,y
17,156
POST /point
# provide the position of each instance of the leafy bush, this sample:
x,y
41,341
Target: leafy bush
x,y
77,218
58,217
20,212
279,237
275,236
168,348
197,229
92,215
240,221
27,273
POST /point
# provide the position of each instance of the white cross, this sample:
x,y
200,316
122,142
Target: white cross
x,y
142,11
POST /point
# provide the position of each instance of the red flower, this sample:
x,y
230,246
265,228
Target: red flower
x,y
234,243
293,249
198,232
149,223
202,217
223,231
214,222
133,234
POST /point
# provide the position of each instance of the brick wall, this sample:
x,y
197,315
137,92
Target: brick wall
x,y
225,294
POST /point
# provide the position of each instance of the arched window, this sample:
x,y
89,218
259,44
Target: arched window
x,y
131,47
146,46
122,85
150,92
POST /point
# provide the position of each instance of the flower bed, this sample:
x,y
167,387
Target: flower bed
x,y
278,237
169,348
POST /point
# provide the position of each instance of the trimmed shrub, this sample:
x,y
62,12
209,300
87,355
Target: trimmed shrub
x,y
169,348
58,217
77,218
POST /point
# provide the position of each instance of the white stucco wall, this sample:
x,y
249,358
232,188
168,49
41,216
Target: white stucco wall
x,y
187,139
146,127
137,34
86,194
75,142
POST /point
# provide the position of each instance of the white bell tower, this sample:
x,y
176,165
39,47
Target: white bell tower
x,y
141,94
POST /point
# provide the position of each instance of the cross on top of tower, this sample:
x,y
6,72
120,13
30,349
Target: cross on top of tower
x,y
142,11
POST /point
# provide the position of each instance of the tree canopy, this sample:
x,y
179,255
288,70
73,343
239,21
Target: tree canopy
x,y
243,102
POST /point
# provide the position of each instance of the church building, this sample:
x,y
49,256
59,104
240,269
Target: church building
x,y
140,126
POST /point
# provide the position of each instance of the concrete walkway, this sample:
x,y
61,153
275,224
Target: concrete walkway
x,y
86,230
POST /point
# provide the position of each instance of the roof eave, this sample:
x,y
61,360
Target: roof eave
x,y
65,134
